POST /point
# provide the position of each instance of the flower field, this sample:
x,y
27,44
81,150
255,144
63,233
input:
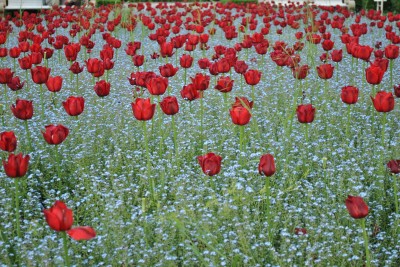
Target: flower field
x,y
200,135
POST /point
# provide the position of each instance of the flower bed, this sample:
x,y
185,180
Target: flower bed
x,y
200,135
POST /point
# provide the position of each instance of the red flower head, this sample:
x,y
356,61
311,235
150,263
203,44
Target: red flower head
x,y
337,55
71,52
76,68
169,105
201,81
223,65
204,63
240,115
8,141
394,166
305,113
40,74
55,134
190,93
60,218
252,77
25,63
5,75
23,109
16,165
325,71
168,70
138,60
374,74
186,61
327,44
224,84
166,49
349,95
15,84
357,207
54,84
95,67
36,58
102,88
383,101
300,72
240,67
15,52
74,106
392,51
157,85
267,165
142,109
210,163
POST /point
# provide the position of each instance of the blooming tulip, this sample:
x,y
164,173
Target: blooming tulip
x,y
267,165
142,109
8,141
22,109
55,134
305,113
383,101
74,105
16,165
349,95
357,207
210,163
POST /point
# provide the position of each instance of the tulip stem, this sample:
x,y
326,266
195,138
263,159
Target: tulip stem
x,y
58,162
175,134
77,83
201,118
367,255
241,142
396,203
28,133
391,72
17,220
65,243
184,75
267,205
348,121
146,143
252,93
26,79
41,100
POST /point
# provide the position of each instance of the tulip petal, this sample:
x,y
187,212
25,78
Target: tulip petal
x,y
82,233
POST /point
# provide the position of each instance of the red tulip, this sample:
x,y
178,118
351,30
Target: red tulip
x,y
224,84
337,55
267,165
394,166
40,74
305,113
15,84
204,63
142,109
59,217
252,77
201,81
169,105
71,51
186,61
327,44
138,60
240,115
54,84
74,105
166,49
168,70
325,71
392,51
190,93
5,75
240,67
102,88
300,72
383,101
374,74
8,141
55,134
210,163
94,65
157,85
36,58
15,52
23,109
75,68
357,207
349,95
25,63
16,165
